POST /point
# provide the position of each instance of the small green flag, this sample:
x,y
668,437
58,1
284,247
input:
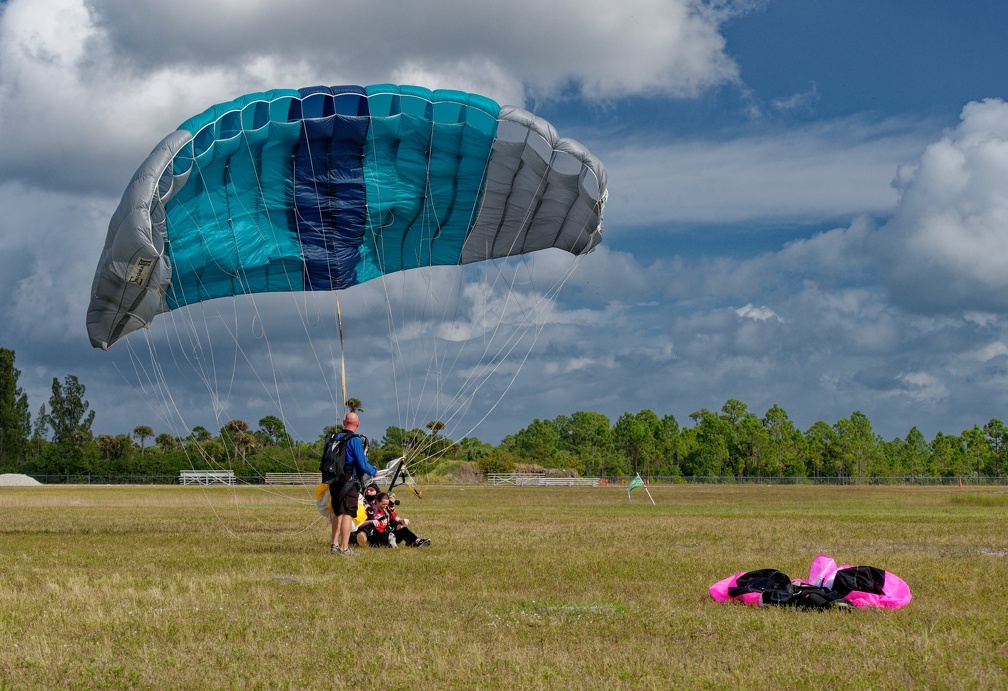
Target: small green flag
x,y
635,483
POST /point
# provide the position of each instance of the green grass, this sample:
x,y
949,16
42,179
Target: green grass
x,y
112,587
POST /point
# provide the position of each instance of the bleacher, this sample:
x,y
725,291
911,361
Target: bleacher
x,y
206,477
310,479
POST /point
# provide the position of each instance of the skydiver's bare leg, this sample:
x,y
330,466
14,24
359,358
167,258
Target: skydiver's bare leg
x,y
345,528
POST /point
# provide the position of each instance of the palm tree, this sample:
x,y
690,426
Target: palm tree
x,y
142,432
212,450
167,442
233,430
243,442
106,444
355,405
435,426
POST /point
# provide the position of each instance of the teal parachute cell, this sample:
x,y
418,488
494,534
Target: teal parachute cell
x,y
323,188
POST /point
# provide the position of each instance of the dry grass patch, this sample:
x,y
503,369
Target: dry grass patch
x,y
523,588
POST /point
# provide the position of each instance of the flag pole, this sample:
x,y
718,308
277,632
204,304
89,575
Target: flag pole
x,y
639,482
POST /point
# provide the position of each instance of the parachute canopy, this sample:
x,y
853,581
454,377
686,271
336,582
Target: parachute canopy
x,y
323,188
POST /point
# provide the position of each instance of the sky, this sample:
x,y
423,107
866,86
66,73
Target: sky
x,y
808,207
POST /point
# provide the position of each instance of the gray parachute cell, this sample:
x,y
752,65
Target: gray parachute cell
x,y
541,191
133,271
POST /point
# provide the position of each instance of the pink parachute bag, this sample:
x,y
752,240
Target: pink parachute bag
x,y
859,586
895,592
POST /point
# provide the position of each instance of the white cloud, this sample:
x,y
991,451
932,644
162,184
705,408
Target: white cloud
x,y
609,49
947,243
923,387
88,88
760,314
990,351
981,318
804,100
824,171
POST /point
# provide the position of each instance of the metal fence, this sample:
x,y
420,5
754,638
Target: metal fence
x,y
965,480
91,479
918,480
540,480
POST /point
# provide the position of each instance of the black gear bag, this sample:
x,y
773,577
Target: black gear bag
x,y
333,466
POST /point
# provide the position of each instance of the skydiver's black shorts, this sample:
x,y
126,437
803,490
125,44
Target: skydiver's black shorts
x,y
347,507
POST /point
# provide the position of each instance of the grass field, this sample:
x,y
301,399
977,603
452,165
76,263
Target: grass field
x,y
181,587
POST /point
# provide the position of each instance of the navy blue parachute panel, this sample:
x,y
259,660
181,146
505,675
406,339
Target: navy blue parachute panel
x,y
329,192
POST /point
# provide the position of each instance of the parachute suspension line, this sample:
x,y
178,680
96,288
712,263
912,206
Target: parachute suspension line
x,y
158,375
437,360
481,374
428,217
404,409
474,212
318,208
342,359
219,404
255,159
395,347
155,381
537,195
552,293
209,378
478,376
170,403
277,374
204,457
439,369
462,400
311,301
501,356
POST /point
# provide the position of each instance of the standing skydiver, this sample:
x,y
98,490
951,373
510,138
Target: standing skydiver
x,y
344,498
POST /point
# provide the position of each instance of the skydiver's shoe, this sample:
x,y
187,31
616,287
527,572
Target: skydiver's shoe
x,y
423,542
392,542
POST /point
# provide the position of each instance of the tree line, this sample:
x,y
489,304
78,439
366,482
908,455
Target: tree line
x,y
732,441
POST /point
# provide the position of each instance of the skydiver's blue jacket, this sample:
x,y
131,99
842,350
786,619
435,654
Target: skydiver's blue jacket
x,y
356,458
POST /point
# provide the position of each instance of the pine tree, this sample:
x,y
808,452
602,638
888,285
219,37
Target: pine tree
x,y
15,420
68,412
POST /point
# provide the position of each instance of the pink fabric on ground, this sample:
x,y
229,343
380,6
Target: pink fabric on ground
x,y
895,594
895,591
719,591
823,567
